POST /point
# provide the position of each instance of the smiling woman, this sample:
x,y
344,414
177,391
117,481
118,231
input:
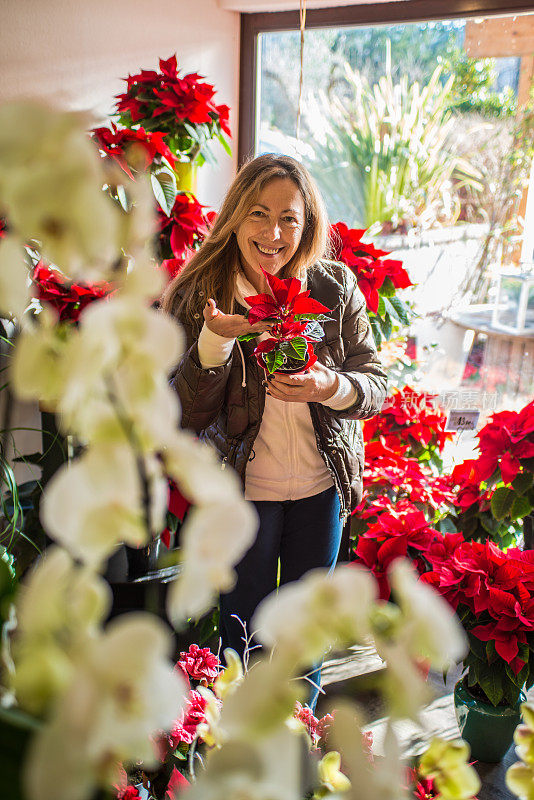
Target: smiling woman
x,y
294,445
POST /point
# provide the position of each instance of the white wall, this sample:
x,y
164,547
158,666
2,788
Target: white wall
x,y
75,53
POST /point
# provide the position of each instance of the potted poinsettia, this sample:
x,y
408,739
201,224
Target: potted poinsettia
x,y
180,106
295,318
493,594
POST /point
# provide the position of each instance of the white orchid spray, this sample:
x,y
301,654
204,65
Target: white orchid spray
x,y
104,693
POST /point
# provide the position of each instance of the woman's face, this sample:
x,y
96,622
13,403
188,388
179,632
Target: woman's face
x,y
270,234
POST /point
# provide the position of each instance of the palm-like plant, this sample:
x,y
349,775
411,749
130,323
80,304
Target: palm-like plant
x,y
384,154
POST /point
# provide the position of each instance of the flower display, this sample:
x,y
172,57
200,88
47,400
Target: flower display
x,y
493,594
378,278
132,149
505,443
68,299
410,417
317,729
181,107
295,318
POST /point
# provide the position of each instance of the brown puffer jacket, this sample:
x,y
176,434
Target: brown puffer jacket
x,y
224,405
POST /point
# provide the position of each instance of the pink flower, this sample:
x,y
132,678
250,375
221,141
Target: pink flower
x,y
185,727
200,663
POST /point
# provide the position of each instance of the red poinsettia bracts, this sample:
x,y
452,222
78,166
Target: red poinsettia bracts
x,y
289,309
166,95
124,145
367,263
496,588
505,442
68,299
285,302
182,232
409,417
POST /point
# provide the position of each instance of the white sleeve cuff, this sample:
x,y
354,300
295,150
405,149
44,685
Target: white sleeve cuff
x,y
213,350
344,396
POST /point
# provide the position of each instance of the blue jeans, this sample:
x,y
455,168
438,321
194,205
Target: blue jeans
x,y
303,534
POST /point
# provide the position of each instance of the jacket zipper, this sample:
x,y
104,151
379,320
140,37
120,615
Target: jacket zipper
x,y
329,463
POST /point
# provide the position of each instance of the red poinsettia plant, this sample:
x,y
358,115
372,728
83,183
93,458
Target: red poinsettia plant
x,y
295,318
378,277
493,594
133,149
180,106
66,298
410,423
182,232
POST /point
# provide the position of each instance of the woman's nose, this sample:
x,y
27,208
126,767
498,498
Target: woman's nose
x,y
273,229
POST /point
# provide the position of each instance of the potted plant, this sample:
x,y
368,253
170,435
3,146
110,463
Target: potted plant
x,y
295,318
493,594
179,106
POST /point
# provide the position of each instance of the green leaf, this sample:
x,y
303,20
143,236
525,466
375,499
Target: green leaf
x,y
388,288
522,482
274,359
299,347
490,680
311,317
247,337
386,326
381,310
402,310
314,330
520,508
501,502
225,144
164,188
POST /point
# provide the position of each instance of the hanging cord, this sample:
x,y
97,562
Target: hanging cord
x,y
302,16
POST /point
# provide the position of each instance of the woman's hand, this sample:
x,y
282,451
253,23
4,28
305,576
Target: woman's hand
x,y
230,325
314,386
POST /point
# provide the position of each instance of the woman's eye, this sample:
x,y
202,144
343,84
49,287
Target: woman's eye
x,y
257,213
290,220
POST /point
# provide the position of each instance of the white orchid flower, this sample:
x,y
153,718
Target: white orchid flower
x,y
14,278
59,610
98,501
123,694
307,617
429,627
51,190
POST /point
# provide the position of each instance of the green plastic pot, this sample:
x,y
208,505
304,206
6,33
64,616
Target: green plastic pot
x,y
488,730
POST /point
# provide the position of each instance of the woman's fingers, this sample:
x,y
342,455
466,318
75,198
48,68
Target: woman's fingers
x,y
210,309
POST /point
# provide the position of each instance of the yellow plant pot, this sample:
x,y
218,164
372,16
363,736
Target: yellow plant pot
x,y
186,176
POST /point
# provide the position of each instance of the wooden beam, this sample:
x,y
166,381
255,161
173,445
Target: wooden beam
x,y
499,37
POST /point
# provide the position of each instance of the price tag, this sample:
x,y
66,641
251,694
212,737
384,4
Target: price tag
x,y
460,419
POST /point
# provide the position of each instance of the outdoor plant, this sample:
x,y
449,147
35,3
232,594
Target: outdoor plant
x,y
180,107
295,318
378,279
391,140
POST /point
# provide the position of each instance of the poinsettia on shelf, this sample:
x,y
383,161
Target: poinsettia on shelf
x,y
66,298
181,107
379,278
295,318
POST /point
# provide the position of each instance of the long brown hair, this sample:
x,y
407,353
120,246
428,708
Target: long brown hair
x,y
211,272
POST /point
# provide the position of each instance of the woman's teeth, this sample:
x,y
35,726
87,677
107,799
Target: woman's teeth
x,y
268,251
